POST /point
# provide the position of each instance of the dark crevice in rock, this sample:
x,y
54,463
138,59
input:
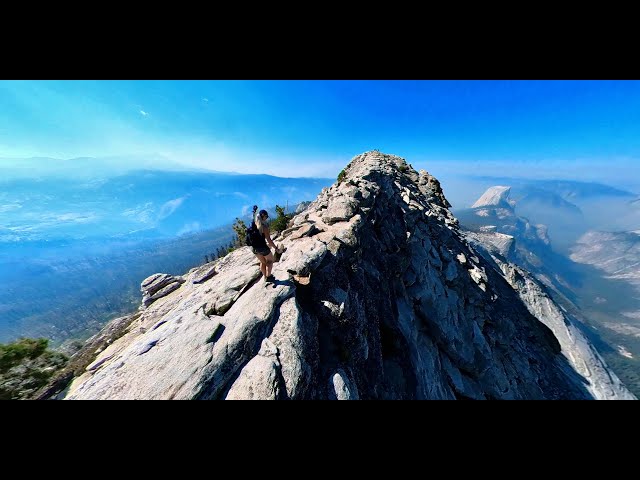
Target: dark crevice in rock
x,y
304,295
211,312
282,385
216,334
457,394
399,374
206,276
148,347
158,324
220,310
244,289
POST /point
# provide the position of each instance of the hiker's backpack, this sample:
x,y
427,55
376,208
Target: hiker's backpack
x,y
253,237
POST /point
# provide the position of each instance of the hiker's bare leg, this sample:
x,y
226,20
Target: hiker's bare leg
x,y
263,265
269,263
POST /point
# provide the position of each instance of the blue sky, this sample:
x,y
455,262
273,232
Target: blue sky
x,y
312,128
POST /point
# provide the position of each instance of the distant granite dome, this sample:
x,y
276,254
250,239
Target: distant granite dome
x,y
496,207
497,196
377,296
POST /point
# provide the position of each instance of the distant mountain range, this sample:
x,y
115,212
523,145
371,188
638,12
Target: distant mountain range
x,y
568,190
73,251
84,167
568,209
149,204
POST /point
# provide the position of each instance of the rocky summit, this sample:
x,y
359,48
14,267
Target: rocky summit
x,y
378,295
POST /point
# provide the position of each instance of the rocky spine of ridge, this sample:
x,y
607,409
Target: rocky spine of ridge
x,y
377,296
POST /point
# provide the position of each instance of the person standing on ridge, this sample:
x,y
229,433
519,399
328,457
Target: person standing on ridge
x,y
260,248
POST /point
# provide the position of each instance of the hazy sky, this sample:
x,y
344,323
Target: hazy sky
x,y
312,128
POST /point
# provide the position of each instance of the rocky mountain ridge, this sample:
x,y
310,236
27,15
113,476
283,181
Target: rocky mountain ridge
x,y
378,295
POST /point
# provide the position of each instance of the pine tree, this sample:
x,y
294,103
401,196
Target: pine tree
x,y
240,229
281,221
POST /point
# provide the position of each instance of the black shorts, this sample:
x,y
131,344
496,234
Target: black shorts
x,y
264,251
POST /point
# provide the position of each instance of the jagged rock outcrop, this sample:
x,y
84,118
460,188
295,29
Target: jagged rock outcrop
x,y
377,296
601,382
302,206
157,286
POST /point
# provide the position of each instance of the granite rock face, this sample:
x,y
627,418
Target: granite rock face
x,y
378,295
602,383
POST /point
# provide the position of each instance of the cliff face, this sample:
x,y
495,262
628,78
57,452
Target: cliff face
x,y
378,296
602,383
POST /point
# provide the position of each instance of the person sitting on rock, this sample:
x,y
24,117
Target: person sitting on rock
x,y
261,250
